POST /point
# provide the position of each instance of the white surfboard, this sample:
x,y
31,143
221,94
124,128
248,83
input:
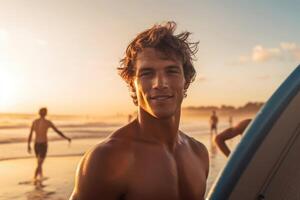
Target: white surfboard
x,y
266,163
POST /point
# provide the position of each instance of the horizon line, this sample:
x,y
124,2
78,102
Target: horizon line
x,y
114,114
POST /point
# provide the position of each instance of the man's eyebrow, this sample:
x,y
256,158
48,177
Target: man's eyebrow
x,y
173,67
145,69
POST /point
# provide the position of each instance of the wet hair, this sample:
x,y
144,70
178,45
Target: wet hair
x,y
43,112
161,37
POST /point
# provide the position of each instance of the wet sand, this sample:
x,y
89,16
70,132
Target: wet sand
x,y
55,148
16,174
16,179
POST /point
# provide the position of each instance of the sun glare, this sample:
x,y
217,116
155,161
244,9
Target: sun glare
x,y
8,88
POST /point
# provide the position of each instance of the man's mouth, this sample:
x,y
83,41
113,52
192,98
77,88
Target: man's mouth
x,y
161,97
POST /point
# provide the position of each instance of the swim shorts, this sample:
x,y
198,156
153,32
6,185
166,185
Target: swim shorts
x,y
40,149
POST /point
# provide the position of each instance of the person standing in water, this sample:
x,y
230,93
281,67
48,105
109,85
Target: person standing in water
x,y
214,123
40,126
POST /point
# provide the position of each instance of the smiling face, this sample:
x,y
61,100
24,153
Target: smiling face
x,y
159,83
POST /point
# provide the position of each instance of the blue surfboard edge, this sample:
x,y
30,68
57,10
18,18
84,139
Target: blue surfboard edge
x,y
254,135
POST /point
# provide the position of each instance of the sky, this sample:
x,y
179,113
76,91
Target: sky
x,y
63,54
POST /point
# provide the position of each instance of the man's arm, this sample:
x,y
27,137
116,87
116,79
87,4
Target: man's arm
x,y
59,132
29,138
102,173
230,133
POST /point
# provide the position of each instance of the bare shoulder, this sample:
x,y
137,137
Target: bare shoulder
x,y
125,133
245,122
104,169
199,149
49,123
34,122
242,125
109,154
196,145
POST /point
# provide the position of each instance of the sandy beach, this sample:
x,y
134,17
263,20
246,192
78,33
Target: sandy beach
x,y
60,166
17,184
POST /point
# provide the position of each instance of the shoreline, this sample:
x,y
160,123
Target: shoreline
x,y
94,135
53,139
48,156
58,147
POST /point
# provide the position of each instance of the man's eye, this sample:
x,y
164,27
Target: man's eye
x,y
173,71
145,73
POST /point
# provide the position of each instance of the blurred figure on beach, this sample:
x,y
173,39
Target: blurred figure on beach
x,y
213,130
150,158
229,134
40,126
129,118
230,121
214,123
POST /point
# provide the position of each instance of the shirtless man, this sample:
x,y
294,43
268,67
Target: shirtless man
x,y
230,133
40,127
150,158
214,123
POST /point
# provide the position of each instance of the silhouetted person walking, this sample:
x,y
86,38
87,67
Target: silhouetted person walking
x,y
40,127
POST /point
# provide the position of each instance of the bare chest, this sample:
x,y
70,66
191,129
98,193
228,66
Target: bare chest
x,y
157,174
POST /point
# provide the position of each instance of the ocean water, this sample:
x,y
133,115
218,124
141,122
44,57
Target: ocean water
x,y
15,128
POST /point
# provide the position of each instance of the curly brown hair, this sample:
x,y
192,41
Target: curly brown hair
x,y
162,38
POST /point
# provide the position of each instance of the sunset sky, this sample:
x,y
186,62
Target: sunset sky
x,y
63,54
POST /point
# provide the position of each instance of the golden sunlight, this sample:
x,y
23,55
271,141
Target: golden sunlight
x,y
8,87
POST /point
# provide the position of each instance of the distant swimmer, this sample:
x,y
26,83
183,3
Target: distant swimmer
x,y
150,158
40,127
214,120
230,133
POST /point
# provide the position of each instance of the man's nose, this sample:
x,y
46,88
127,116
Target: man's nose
x,y
160,81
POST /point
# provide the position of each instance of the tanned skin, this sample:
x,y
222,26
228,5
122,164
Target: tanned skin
x,y
150,158
40,126
230,133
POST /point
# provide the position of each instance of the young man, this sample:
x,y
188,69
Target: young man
x,y
150,158
230,133
40,127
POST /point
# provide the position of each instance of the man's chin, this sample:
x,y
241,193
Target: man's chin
x,y
163,114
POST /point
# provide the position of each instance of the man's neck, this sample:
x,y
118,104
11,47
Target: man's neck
x,y
164,131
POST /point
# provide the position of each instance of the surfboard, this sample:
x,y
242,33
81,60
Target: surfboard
x,y
266,163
